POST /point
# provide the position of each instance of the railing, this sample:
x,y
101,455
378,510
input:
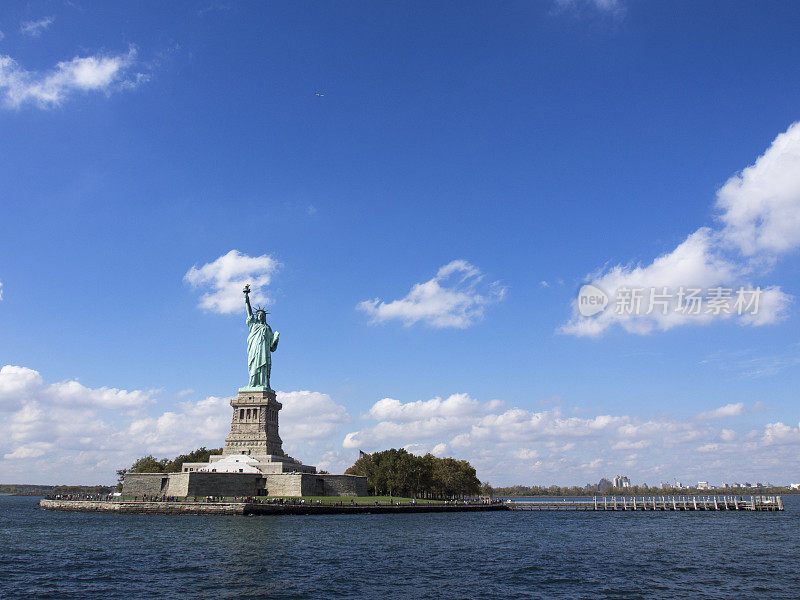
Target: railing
x,y
656,503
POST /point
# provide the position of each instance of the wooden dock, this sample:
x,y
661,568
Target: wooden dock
x,y
656,503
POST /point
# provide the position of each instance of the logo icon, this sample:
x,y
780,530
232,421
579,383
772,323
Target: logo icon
x,y
591,300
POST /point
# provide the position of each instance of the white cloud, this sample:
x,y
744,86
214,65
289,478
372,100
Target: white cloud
x,y
526,454
74,393
778,433
761,205
629,445
310,416
760,213
225,278
439,450
81,74
729,410
708,448
455,297
32,450
1,290
202,423
17,383
35,28
455,406
51,430
516,445
462,421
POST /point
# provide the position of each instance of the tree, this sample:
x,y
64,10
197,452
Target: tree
x,y
399,473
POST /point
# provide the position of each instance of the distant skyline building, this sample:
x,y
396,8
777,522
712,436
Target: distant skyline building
x,y
666,485
622,481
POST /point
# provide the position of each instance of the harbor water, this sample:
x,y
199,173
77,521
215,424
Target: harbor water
x,y
513,554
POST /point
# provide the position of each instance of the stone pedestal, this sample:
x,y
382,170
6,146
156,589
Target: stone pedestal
x,y
254,426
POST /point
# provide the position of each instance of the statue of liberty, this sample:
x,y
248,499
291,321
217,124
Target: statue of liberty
x,y
261,343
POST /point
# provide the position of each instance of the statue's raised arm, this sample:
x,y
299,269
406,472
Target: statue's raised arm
x,y
249,310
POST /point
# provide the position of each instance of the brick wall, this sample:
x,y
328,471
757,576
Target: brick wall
x,y
287,484
149,484
178,484
223,484
307,484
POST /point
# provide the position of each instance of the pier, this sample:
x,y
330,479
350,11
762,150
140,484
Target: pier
x,y
655,503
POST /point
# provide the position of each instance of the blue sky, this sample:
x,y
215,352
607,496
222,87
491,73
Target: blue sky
x,y
519,150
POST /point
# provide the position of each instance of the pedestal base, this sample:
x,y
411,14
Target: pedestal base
x,y
254,425
254,432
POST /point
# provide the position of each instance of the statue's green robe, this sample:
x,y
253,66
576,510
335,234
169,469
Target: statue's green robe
x,y
260,343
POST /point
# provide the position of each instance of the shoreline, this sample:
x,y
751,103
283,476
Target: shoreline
x,y
254,508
